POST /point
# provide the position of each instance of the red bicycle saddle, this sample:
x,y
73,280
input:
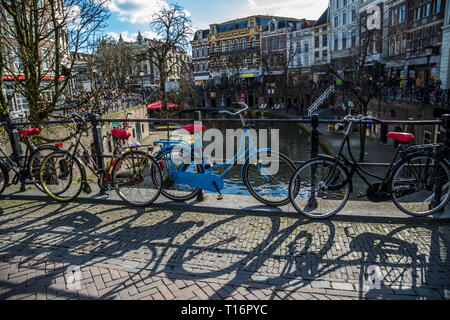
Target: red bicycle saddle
x,y
401,137
121,134
193,128
29,132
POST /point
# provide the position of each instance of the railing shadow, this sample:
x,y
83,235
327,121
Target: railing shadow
x,y
265,251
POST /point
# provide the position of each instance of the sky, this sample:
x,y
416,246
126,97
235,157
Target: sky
x,y
131,16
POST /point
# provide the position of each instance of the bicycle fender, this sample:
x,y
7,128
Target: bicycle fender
x,y
250,155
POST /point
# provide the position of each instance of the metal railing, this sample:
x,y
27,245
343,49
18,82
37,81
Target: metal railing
x,y
95,121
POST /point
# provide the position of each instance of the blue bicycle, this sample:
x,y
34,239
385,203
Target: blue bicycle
x,y
265,173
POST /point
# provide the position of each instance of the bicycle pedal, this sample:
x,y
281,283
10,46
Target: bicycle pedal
x,y
361,195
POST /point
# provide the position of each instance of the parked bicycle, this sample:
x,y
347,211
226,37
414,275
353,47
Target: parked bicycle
x,y
418,183
183,181
133,173
25,168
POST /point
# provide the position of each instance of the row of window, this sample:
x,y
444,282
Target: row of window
x,y
245,61
341,3
428,9
200,53
343,20
200,67
399,15
47,57
274,44
233,45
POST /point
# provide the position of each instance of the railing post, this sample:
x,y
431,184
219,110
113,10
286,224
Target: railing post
x,y
314,136
98,141
312,203
198,117
438,194
14,139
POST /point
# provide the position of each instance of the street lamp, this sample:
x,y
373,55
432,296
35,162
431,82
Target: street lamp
x,y
428,53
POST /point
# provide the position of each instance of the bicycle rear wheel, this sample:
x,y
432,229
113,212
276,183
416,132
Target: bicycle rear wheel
x,y
62,176
267,175
137,178
174,190
420,185
319,189
3,177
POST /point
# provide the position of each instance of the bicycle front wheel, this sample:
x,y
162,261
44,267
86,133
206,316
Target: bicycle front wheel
x,y
319,189
267,175
137,178
62,176
34,164
420,185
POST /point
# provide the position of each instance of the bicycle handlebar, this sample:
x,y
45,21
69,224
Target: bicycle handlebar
x,y
235,113
360,118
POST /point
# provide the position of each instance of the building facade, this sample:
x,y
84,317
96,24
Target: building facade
x,y
200,57
445,51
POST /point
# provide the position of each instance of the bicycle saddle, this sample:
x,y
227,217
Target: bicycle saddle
x,y
121,134
193,128
401,137
29,132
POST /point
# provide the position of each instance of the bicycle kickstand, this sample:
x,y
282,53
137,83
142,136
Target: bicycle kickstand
x,y
220,196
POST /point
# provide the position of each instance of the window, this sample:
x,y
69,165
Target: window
x,y
344,40
5,52
274,44
427,10
267,45
402,13
205,52
394,16
437,6
354,15
253,42
18,65
336,21
344,18
418,13
324,40
336,41
244,44
44,57
316,42
306,47
224,47
11,25
337,4
230,46
280,43
214,48
236,44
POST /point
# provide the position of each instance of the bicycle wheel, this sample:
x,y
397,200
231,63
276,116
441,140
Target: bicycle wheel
x,y
34,164
62,176
137,178
171,189
3,177
320,188
420,185
267,175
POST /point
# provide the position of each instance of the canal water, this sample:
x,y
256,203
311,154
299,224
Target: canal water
x,y
293,143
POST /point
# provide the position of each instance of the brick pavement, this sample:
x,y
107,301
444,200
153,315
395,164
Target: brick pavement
x,y
118,252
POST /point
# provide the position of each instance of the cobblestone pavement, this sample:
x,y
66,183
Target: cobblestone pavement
x,y
116,252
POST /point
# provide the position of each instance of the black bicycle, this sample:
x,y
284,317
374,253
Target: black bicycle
x,y
418,183
25,168
132,173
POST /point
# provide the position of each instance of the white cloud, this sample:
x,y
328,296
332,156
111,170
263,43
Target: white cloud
x,y
138,11
131,37
310,9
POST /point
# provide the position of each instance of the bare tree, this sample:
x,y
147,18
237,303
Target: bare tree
x,y
37,37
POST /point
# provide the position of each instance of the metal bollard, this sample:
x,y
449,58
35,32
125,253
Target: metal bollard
x,y
198,117
14,139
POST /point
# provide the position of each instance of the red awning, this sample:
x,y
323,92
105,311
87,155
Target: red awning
x,y
157,105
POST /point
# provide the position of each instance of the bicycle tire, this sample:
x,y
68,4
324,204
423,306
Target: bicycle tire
x,y
4,177
245,177
34,171
165,192
399,194
299,189
146,161
48,172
